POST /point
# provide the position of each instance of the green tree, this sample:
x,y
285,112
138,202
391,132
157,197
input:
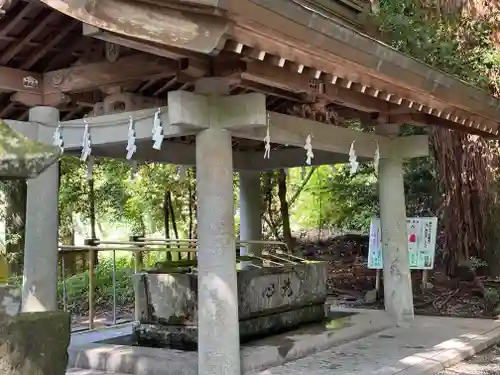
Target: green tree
x,y
459,40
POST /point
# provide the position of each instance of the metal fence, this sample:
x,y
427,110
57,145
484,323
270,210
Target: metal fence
x,y
277,257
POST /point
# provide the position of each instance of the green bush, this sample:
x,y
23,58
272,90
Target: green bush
x,y
77,287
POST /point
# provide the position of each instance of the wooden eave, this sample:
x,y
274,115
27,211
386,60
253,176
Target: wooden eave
x,y
300,41
278,47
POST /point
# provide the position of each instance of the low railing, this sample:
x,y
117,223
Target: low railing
x,y
279,256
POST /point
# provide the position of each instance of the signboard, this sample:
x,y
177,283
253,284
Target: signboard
x,y
421,233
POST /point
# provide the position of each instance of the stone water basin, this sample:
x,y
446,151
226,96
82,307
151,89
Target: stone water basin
x,y
271,300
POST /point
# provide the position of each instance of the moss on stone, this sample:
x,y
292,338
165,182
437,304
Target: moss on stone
x,y
23,158
35,344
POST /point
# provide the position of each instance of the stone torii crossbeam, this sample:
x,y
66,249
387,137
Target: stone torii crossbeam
x,y
215,119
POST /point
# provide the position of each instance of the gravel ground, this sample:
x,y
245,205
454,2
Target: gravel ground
x,y
485,363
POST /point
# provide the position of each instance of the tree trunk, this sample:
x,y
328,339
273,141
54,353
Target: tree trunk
x,y
191,204
267,191
93,234
172,218
463,164
67,236
15,195
166,223
296,195
285,216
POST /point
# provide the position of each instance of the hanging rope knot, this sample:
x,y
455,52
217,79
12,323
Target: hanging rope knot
x,y
309,151
267,139
353,159
86,142
57,138
376,158
157,131
131,147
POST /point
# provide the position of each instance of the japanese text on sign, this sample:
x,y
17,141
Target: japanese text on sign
x,y
421,233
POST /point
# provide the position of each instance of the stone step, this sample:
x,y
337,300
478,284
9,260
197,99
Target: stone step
x,y
255,356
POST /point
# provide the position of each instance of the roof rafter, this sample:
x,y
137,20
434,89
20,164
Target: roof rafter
x,y
41,22
45,48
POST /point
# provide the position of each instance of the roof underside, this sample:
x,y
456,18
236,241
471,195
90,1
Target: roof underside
x,y
89,71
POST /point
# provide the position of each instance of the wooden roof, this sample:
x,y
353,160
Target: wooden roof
x,y
307,63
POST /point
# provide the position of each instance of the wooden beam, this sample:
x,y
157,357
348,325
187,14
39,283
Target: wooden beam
x,y
427,119
92,76
285,79
256,87
33,99
13,80
199,64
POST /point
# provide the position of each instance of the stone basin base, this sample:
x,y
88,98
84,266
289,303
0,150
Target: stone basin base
x,y
270,301
185,337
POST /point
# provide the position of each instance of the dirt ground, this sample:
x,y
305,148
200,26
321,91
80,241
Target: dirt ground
x,y
349,280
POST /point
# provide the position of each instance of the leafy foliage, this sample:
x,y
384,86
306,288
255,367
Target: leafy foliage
x,y
457,43
460,41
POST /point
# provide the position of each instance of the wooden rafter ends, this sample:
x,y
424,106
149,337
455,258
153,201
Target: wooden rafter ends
x,y
265,68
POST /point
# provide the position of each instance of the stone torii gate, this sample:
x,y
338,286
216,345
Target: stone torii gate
x,y
285,53
215,118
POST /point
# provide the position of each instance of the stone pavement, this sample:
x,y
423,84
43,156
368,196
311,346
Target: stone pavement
x,y
426,348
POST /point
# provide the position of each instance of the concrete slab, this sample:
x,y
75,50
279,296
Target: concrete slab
x,y
425,348
86,353
108,333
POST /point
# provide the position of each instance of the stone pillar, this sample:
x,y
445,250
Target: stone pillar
x,y
250,211
398,295
218,325
42,220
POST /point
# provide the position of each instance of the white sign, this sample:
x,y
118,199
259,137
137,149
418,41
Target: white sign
x,y
421,233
